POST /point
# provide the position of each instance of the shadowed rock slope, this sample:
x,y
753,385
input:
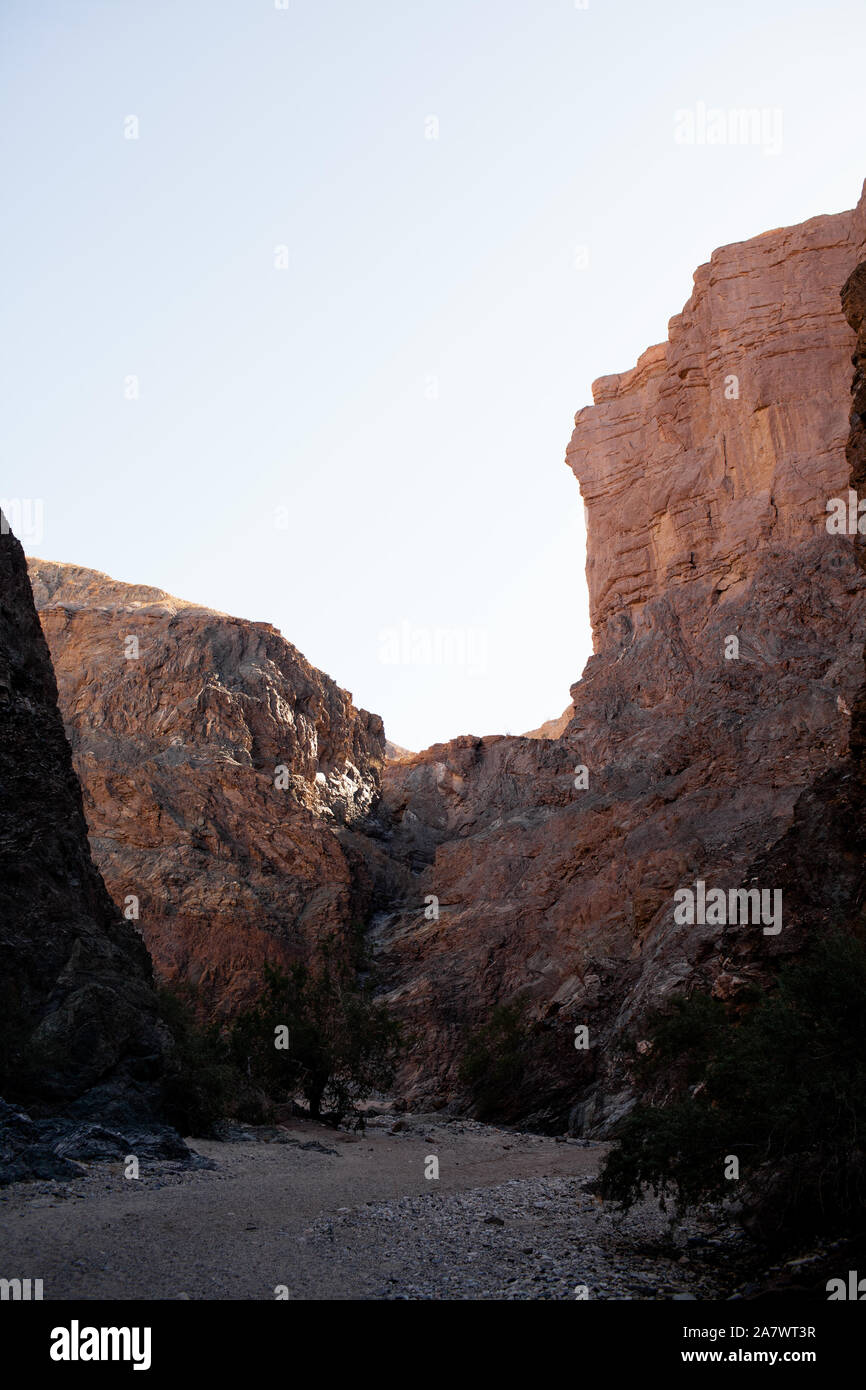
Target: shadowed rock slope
x,y
79,1034
820,862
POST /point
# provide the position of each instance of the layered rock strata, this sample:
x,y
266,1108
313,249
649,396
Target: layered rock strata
x,y
728,634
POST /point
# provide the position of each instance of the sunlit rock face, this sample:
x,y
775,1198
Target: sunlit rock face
x,y
728,632
216,763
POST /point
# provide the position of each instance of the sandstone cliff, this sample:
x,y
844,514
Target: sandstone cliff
x,y
705,471
214,760
819,861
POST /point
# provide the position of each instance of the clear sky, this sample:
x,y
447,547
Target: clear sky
x,y
360,438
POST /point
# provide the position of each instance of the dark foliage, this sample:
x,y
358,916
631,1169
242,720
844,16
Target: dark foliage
x,y
340,1044
496,1060
781,1086
200,1083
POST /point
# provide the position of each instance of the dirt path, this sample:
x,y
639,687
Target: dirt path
x,y
339,1216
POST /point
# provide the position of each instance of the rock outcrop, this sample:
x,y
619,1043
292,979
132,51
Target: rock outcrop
x,y
728,635
818,862
553,728
216,764
80,1032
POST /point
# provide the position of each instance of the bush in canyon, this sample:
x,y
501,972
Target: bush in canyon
x,y
201,1083
496,1060
779,1083
342,1044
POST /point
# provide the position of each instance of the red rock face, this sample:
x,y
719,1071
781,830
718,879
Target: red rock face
x,y
706,472
214,764
719,449
708,737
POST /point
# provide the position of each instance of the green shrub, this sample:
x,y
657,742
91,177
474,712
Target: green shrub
x,y
684,1038
782,1087
495,1060
342,1045
200,1083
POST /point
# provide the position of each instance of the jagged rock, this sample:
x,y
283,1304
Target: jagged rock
x,y
706,504
818,862
56,1146
179,750
553,728
77,1005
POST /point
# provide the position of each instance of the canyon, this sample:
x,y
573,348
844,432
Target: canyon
x,y
241,809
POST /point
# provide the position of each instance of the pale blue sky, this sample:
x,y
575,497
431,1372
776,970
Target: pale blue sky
x,y
409,259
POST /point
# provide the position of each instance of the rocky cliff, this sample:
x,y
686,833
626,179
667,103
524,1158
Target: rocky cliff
x,y
728,635
707,742
216,762
818,862
79,1013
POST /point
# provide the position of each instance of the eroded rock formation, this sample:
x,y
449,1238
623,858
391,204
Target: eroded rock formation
x,y
215,761
819,861
706,472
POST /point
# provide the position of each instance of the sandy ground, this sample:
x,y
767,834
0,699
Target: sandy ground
x,y
360,1221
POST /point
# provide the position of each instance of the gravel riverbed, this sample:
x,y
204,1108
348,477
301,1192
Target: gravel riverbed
x,y
304,1212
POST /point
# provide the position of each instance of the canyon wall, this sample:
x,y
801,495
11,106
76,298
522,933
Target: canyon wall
x,y
705,471
818,862
709,737
79,1012
215,762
